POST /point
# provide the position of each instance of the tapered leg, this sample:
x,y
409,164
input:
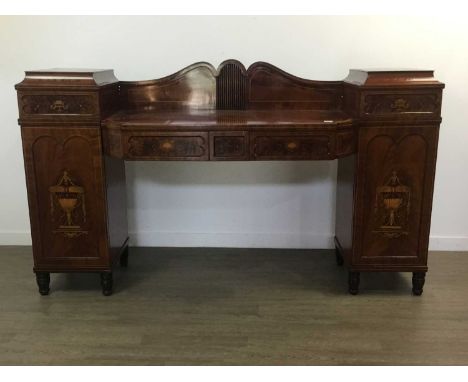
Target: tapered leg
x,y
418,282
43,282
106,283
124,258
339,257
353,282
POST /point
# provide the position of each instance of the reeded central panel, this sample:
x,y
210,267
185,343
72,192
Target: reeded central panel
x,y
231,86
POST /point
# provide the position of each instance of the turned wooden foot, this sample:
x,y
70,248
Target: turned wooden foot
x,y
418,282
106,283
43,282
124,258
353,282
339,257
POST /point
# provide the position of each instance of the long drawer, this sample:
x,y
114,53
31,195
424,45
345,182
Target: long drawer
x,y
270,145
166,146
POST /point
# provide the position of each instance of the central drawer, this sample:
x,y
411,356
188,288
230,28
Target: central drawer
x,y
275,145
229,145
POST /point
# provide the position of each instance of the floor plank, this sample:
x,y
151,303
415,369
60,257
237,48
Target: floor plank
x,y
219,306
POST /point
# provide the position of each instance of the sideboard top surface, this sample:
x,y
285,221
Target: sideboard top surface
x,y
226,118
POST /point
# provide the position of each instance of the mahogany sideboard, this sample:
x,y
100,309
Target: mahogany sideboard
x,y
79,126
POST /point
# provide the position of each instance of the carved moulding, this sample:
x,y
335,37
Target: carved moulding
x,y
67,207
392,208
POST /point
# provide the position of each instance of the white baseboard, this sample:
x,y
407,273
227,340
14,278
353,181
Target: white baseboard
x,y
448,243
15,238
234,240
240,240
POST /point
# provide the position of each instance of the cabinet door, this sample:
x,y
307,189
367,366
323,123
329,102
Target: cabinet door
x,y
396,168
64,172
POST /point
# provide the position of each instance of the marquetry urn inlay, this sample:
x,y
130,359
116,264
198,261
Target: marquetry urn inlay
x,y
392,208
67,207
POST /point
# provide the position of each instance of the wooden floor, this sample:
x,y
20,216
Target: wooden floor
x,y
198,306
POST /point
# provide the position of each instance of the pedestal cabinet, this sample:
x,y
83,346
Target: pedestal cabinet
x,y
76,193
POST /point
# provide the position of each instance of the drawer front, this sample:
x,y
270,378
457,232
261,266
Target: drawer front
x,y
387,103
167,146
229,145
290,146
44,104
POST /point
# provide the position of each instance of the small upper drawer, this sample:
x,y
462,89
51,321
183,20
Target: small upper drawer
x,y
384,103
283,146
167,146
47,104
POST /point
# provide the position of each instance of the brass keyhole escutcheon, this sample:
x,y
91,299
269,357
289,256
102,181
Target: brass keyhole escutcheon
x,y
292,146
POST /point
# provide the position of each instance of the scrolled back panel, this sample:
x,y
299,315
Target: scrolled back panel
x,y
231,87
191,88
272,88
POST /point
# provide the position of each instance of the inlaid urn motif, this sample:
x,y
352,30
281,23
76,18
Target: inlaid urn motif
x,y
400,105
67,207
59,106
392,207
